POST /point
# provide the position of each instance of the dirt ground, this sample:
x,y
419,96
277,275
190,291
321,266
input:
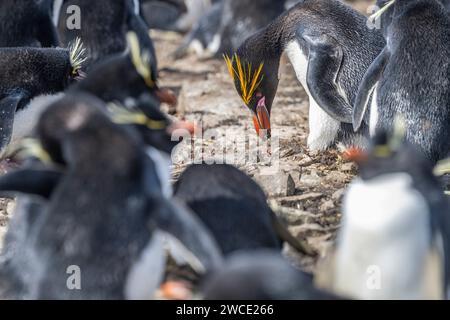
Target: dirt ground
x,y
306,188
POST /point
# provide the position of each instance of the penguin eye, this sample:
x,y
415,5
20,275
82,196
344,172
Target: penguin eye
x,y
77,74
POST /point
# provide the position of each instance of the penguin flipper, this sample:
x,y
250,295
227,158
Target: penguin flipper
x,y
286,236
367,87
324,64
31,181
188,239
8,106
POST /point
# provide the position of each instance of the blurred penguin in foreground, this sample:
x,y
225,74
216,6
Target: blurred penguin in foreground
x,y
394,239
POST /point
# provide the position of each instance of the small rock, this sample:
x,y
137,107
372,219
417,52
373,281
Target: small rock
x,y
10,207
336,177
278,184
348,167
327,205
290,201
290,188
311,179
338,194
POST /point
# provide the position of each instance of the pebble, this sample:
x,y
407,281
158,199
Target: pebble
x,y
327,205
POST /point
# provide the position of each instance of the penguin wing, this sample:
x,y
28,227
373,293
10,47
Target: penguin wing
x,y
31,181
188,239
8,107
367,87
324,64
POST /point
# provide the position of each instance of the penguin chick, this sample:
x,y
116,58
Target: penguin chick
x,y
26,23
28,73
233,207
330,47
393,243
415,88
261,275
103,27
123,258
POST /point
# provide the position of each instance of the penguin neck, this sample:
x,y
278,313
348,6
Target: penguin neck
x,y
266,46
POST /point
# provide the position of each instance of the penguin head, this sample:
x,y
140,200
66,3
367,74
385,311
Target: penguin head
x,y
126,77
72,127
256,81
389,9
391,218
41,70
389,154
154,126
145,67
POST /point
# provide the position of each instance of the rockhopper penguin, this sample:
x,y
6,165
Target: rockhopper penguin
x,y
123,258
411,76
330,48
394,239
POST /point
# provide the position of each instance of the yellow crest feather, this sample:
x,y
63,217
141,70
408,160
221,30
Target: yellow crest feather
x,y
249,80
121,115
77,55
141,61
382,10
29,148
442,168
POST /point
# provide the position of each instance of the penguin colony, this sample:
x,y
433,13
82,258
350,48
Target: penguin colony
x,y
87,147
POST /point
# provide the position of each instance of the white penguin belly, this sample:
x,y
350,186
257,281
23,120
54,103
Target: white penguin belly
x,y
373,113
57,5
162,163
384,240
146,275
323,129
26,119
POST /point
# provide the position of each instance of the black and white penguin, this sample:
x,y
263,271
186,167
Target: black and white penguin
x,y
234,208
32,73
394,238
17,259
103,26
261,275
27,23
410,77
330,47
203,39
228,23
125,78
125,257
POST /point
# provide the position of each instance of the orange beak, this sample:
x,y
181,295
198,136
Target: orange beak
x,y
261,120
356,155
175,290
182,125
166,96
